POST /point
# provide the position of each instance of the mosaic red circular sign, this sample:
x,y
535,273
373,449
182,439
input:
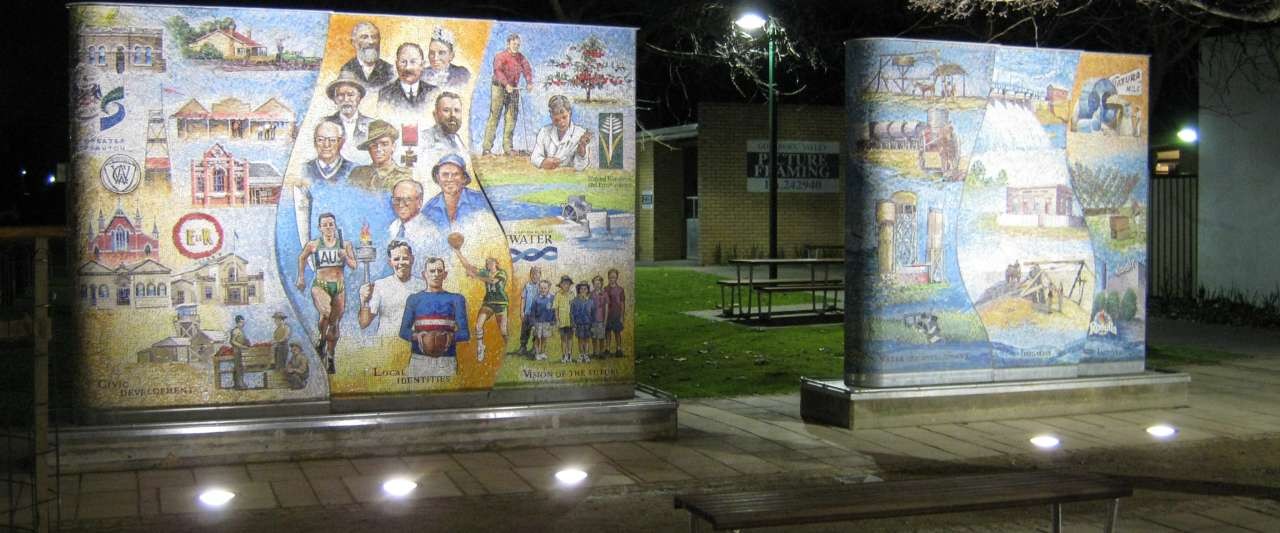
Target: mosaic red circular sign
x,y
197,235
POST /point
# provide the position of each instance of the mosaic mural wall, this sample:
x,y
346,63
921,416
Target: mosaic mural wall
x,y
293,205
1003,201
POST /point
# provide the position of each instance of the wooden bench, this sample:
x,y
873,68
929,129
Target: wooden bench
x,y
734,300
816,251
837,503
834,286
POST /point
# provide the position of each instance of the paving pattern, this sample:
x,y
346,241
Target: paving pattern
x,y
723,443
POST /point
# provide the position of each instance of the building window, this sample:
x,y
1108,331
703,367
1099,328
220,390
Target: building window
x,y
137,54
138,290
163,289
84,291
151,289
119,239
102,56
253,292
232,274
239,183
219,180
146,58
102,291
208,293
200,182
147,249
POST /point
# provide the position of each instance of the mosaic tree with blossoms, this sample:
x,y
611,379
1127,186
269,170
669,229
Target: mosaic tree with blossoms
x,y
587,66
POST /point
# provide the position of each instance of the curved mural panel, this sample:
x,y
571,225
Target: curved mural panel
x,y
915,113
290,205
981,250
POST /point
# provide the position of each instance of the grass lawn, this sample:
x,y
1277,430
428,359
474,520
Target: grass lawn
x,y
1167,356
693,357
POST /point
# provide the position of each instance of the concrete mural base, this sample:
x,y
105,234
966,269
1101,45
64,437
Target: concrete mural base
x,y
650,414
833,402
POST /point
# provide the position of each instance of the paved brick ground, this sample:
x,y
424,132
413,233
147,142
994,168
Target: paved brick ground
x,y
724,443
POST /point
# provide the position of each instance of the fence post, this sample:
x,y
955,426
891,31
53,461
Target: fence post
x,y
41,331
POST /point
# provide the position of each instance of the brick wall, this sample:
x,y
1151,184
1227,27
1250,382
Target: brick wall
x,y
644,217
734,219
660,232
668,202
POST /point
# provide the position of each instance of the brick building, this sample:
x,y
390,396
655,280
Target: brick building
x,y
219,179
221,280
122,240
123,49
702,207
232,45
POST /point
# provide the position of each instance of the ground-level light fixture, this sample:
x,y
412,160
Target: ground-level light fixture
x,y
216,497
1045,441
571,476
750,21
1162,431
398,487
1188,135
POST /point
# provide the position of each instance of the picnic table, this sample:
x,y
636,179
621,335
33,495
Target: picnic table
x,y
767,285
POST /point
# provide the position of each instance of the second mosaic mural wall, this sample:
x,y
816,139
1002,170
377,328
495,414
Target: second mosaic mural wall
x,y
1003,199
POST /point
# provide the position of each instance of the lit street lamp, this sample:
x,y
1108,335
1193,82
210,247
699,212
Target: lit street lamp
x,y
751,21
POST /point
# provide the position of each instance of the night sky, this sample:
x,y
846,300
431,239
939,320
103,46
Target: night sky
x,y
35,133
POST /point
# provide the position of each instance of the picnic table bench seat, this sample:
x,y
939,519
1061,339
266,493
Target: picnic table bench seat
x,y
837,503
735,300
729,300
813,287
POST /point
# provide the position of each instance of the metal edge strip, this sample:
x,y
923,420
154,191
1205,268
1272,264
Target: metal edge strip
x,y
1147,378
365,420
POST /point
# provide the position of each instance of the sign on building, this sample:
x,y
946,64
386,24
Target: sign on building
x,y
803,166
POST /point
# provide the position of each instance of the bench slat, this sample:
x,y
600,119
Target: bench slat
x,y
770,281
898,498
802,288
872,492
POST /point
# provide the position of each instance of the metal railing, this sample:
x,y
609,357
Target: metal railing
x,y
31,465
1175,200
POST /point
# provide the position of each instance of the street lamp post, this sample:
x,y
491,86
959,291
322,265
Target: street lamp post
x,y
749,22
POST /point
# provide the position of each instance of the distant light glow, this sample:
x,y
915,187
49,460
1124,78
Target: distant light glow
x,y
22,172
51,178
1045,441
216,497
399,487
1188,135
1162,431
571,476
750,21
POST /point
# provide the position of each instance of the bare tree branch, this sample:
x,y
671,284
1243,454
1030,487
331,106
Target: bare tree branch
x,y
1266,11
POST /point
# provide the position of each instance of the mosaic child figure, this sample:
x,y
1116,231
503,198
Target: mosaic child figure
x,y
564,318
583,311
613,319
527,296
601,300
544,319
